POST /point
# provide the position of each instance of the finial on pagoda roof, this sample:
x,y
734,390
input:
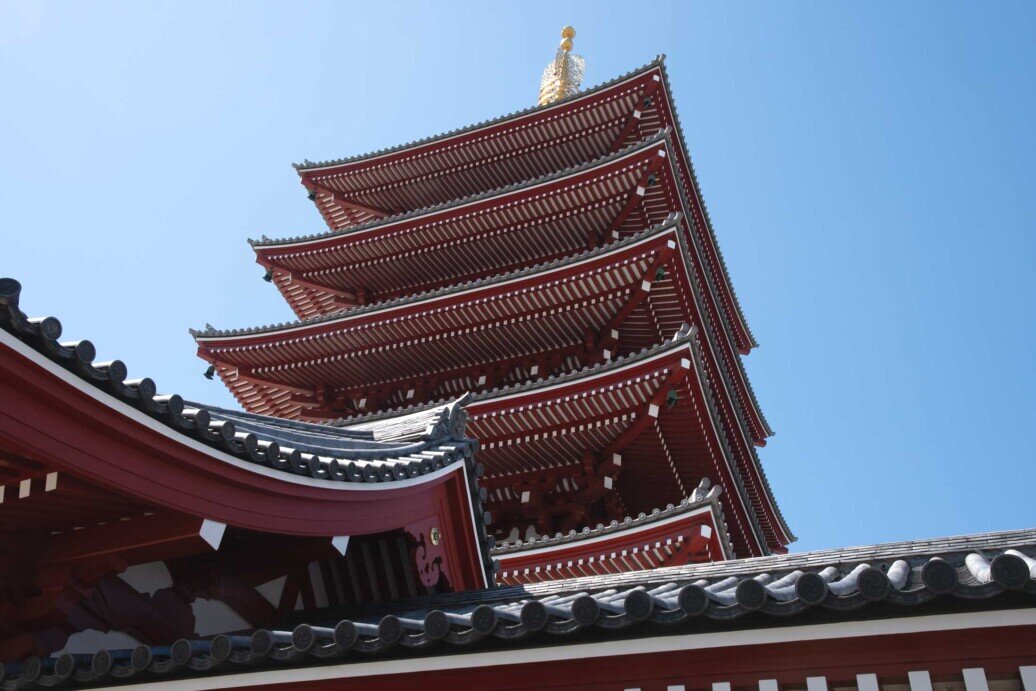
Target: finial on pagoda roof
x,y
564,74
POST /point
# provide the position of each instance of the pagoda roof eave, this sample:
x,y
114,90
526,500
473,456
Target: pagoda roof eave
x,y
746,339
681,341
681,344
525,185
706,498
695,187
212,335
311,166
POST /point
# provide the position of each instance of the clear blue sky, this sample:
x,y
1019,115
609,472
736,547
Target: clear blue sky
x,y
868,168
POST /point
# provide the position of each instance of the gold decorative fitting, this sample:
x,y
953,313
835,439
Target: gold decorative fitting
x,y
564,74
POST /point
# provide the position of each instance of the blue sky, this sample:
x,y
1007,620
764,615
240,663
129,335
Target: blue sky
x,y
868,169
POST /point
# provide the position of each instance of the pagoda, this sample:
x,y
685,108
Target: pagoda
x,y
508,443
528,260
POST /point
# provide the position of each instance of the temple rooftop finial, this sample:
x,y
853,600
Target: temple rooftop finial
x,y
564,73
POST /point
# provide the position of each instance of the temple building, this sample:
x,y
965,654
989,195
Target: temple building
x,y
509,442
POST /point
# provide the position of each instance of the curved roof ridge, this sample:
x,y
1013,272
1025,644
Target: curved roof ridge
x,y
321,452
314,165
646,143
212,332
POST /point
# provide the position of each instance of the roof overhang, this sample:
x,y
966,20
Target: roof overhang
x,y
452,333
521,225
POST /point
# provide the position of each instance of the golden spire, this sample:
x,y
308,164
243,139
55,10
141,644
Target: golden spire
x,y
564,73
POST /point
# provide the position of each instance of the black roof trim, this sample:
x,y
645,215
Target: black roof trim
x,y
844,582
395,448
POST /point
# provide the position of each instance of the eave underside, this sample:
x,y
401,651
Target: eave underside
x,y
661,309
673,536
522,226
518,148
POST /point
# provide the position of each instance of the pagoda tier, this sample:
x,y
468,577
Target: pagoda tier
x,y
536,221
515,148
515,227
620,438
368,358
501,330
542,321
691,532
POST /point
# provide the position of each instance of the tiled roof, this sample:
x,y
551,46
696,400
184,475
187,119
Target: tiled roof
x,y
682,338
394,448
842,581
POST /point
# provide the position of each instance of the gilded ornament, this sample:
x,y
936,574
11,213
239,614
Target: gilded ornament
x,y
564,74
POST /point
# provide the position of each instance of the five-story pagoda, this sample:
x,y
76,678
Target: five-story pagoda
x,y
558,264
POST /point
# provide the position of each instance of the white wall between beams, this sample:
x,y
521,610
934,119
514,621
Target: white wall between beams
x,y
89,641
148,578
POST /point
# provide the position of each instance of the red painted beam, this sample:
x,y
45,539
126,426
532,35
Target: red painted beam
x,y
159,536
229,373
649,413
606,338
635,116
636,196
337,197
345,298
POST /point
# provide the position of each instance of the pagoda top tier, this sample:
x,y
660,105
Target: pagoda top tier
x,y
518,148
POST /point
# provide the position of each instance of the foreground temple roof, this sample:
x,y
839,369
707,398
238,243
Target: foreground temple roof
x,y
887,580
392,449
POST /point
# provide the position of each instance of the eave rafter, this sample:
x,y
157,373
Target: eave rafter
x,y
645,418
333,197
341,298
607,338
326,181
636,197
585,293
597,472
330,403
387,257
634,119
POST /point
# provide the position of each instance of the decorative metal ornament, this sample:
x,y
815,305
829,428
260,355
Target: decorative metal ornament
x,y
564,73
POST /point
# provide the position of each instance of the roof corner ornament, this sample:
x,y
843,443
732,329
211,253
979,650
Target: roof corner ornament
x,y
564,73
